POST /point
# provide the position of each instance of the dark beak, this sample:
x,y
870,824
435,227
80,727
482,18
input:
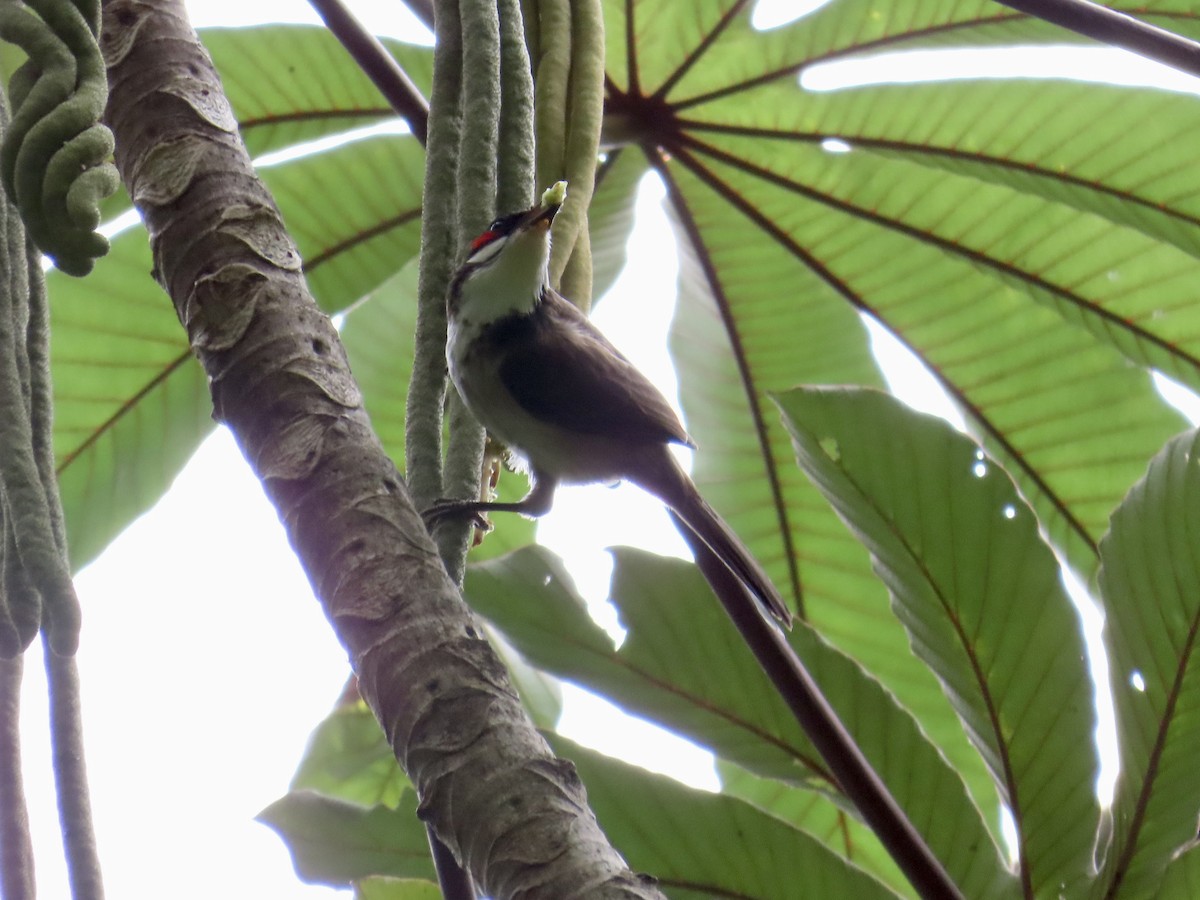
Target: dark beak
x,y
543,213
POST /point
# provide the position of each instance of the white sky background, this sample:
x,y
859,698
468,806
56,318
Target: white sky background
x,y
202,681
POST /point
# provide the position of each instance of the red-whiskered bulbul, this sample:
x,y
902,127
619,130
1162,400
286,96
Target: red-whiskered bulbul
x,y
545,382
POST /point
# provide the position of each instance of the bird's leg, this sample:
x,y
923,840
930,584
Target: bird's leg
x,y
536,503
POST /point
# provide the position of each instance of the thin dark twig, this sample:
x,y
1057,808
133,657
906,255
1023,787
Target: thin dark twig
x,y
631,51
858,780
1116,28
379,65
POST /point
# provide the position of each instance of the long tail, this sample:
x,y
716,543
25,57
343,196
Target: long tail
x,y
667,481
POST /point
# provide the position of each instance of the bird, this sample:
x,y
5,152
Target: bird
x,y
545,382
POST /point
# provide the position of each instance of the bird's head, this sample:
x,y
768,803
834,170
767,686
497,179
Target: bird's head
x,y
507,266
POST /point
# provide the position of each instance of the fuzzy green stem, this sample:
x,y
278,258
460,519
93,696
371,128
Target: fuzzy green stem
x,y
70,777
530,15
22,604
576,280
553,68
514,178
41,392
16,845
476,207
584,116
26,495
439,245
481,117
570,107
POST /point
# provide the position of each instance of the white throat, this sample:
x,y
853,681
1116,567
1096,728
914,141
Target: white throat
x,y
513,283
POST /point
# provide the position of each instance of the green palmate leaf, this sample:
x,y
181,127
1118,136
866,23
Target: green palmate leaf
x,y
1033,242
700,682
289,84
610,217
1114,154
735,337
982,600
11,58
978,290
349,758
337,843
1182,879
130,402
812,813
1150,581
1078,150
131,405
703,49
362,224
292,84
683,664
958,212
396,889
379,337
707,845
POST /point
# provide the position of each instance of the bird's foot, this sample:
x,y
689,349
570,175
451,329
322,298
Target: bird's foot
x,y
449,510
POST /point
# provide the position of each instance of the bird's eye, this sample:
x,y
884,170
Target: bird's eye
x,y
496,223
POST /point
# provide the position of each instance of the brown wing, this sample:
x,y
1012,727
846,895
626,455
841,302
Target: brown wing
x,y
560,369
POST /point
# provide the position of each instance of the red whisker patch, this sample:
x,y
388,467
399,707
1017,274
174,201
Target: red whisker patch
x,y
485,238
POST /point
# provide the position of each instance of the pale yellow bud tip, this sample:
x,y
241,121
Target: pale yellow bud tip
x,y
555,194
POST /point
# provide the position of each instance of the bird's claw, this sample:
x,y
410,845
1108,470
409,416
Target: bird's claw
x,y
448,510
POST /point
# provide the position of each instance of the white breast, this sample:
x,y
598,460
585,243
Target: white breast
x,y
567,456
476,376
